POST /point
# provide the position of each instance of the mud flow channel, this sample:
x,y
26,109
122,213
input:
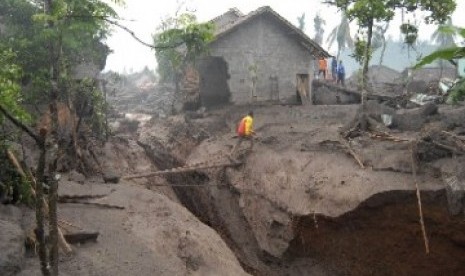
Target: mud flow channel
x,y
380,237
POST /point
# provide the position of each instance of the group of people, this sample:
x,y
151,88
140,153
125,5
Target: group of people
x,y
338,71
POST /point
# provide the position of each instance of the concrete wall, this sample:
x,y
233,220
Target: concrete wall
x,y
270,46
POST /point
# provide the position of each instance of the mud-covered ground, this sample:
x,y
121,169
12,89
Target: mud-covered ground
x,y
298,205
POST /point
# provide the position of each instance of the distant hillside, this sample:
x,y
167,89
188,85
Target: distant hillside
x,y
396,56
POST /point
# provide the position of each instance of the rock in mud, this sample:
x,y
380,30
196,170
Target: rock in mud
x,y
111,177
414,119
76,177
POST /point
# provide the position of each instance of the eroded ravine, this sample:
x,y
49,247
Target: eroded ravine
x,y
381,235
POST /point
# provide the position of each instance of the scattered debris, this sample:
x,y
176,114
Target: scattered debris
x,y
352,152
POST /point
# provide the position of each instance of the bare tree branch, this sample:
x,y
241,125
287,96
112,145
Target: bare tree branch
x,y
131,33
21,126
126,29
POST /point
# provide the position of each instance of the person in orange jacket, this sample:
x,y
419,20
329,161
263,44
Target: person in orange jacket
x,y
245,131
323,67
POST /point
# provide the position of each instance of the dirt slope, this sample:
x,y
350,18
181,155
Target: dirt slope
x,y
153,235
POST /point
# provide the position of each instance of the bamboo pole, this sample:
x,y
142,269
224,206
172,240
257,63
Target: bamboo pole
x,y
180,170
420,211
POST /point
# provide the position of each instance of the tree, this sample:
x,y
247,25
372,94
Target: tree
x,y
443,35
319,24
10,85
369,12
180,40
301,22
179,45
378,41
341,35
70,30
444,39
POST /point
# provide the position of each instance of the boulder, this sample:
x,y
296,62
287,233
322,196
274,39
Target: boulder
x,y
111,177
414,119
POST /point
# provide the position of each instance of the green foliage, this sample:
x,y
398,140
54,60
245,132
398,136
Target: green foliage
x,y
369,12
457,93
10,76
449,53
180,41
359,50
445,35
410,33
365,11
80,29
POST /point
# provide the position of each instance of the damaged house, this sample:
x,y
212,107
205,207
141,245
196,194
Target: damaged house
x,y
257,57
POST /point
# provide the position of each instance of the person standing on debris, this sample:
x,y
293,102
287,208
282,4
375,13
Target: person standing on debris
x,y
322,67
341,73
245,132
334,69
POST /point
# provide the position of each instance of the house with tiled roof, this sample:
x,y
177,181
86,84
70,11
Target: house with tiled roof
x,y
257,57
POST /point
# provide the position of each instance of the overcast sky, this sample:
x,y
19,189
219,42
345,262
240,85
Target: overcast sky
x,y
143,16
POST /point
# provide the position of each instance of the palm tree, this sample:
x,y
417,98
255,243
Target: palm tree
x,y
341,35
319,24
444,37
301,21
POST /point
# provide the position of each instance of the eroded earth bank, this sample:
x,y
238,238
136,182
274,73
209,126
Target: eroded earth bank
x,y
297,204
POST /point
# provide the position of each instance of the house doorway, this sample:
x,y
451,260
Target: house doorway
x,y
302,88
214,89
